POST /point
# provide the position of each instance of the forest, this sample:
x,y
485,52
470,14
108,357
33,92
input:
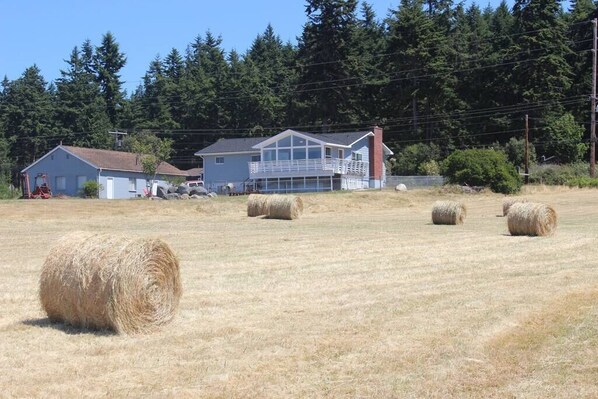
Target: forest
x,y
436,75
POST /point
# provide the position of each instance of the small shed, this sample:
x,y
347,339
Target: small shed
x,y
120,174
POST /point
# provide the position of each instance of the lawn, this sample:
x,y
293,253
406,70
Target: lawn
x,y
361,297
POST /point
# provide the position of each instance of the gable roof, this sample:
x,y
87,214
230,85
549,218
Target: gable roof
x,y
345,139
253,144
228,146
113,160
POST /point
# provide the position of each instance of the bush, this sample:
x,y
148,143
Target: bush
x,y
515,150
7,191
554,175
411,158
91,189
565,138
482,168
582,182
429,168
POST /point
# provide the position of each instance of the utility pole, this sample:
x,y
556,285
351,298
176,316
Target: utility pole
x,y
593,121
526,150
118,139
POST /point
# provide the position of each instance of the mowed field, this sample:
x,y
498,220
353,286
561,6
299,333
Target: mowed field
x,y
361,297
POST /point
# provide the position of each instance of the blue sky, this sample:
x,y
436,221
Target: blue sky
x,y
45,32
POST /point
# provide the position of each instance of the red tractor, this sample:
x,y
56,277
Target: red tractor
x,y
41,188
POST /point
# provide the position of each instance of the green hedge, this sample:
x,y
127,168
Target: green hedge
x,y
482,168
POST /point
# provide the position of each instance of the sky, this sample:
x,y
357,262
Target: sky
x,y
45,32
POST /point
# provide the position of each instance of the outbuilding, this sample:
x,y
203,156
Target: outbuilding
x,y
120,174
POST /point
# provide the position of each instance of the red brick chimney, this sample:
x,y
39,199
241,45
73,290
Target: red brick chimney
x,y
376,155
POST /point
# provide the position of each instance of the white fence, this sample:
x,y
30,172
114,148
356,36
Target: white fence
x,y
414,181
327,166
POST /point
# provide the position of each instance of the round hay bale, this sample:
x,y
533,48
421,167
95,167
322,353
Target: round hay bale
x,y
104,281
288,207
448,212
507,202
257,205
531,219
401,187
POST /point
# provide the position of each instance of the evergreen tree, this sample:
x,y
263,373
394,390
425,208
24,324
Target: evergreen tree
x,y
174,69
81,111
28,113
367,62
156,112
422,86
580,30
325,49
107,63
541,72
266,81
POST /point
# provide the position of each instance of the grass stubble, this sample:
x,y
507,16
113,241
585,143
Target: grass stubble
x,y
362,296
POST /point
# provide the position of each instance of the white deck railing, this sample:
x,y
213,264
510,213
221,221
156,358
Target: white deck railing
x,y
330,165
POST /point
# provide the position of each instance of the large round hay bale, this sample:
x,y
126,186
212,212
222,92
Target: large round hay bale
x,y
507,202
531,219
288,207
112,282
257,205
448,212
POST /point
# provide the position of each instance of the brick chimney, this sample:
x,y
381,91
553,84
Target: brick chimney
x,y
376,157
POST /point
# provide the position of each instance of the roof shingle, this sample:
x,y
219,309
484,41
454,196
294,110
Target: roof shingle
x,y
118,160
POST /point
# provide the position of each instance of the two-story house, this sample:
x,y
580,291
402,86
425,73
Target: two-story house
x,y
294,161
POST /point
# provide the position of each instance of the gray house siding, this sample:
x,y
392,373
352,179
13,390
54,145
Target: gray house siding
x,y
361,147
235,170
66,173
290,162
60,165
120,184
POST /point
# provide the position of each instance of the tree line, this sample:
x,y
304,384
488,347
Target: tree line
x,y
430,72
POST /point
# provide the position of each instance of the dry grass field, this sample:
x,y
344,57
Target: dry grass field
x,y
361,297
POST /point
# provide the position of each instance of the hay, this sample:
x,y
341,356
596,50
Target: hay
x,y
448,212
288,207
112,282
507,202
257,205
531,219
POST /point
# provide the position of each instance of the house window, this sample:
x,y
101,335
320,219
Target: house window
x,y
284,154
285,142
60,183
341,154
255,158
219,160
269,155
356,156
314,153
132,184
81,181
299,153
328,152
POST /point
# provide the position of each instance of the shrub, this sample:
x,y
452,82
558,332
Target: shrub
x,y
582,182
565,139
482,168
411,158
7,191
429,168
515,150
91,189
558,174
